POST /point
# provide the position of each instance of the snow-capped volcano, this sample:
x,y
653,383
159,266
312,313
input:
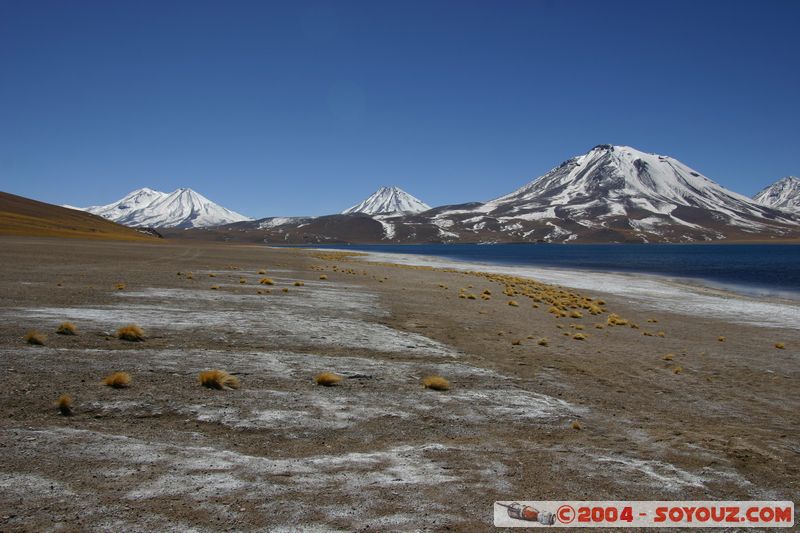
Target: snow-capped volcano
x,y
182,208
622,191
388,200
783,194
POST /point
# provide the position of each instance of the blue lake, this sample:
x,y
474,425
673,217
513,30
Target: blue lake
x,y
749,268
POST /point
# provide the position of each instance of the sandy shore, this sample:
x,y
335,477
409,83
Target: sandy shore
x,y
667,410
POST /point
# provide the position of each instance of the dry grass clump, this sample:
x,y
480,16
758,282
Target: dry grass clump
x,y
262,272
780,346
436,383
599,326
543,341
516,342
576,425
616,320
212,275
513,303
35,338
266,281
668,357
678,370
215,287
64,404
323,277
652,321
242,281
119,286
189,275
298,283
661,334
328,379
721,338
218,379
118,380
576,314
67,328
131,333
579,337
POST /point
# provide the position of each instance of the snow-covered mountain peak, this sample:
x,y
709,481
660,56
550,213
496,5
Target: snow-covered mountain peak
x,y
182,208
783,194
388,200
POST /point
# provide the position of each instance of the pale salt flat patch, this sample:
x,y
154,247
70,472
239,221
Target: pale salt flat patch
x,y
14,485
288,325
649,291
658,474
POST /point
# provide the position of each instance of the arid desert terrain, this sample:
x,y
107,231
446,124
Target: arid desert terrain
x,y
660,405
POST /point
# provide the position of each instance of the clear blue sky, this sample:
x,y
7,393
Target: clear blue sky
x,y
288,108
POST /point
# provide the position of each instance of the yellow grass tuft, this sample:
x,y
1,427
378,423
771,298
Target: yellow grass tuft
x,y
266,281
721,338
212,275
579,337
543,341
513,303
436,383
616,320
323,277
298,283
285,289
262,272
119,286
780,346
215,287
678,370
576,425
242,281
64,404
67,328
516,342
661,334
35,338
599,326
218,379
668,357
118,380
328,379
576,314
131,333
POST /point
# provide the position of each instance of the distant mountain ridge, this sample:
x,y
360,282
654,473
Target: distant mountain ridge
x,y
388,200
783,194
609,194
182,208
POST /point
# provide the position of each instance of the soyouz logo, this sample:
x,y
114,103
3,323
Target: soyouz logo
x,y
619,514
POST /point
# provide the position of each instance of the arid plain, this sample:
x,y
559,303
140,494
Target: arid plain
x,y
539,406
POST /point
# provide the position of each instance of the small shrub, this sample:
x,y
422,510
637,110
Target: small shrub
x,y
262,272
242,281
64,404
131,333
543,341
323,277
119,286
668,357
212,275
599,326
35,338
436,383
328,379
780,346
266,281
285,289
298,283
67,328
579,337
721,338
513,303
576,425
218,379
576,314
516,342
118,380
661,334
678,370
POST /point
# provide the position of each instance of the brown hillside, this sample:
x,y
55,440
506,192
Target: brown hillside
x,y
26,217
